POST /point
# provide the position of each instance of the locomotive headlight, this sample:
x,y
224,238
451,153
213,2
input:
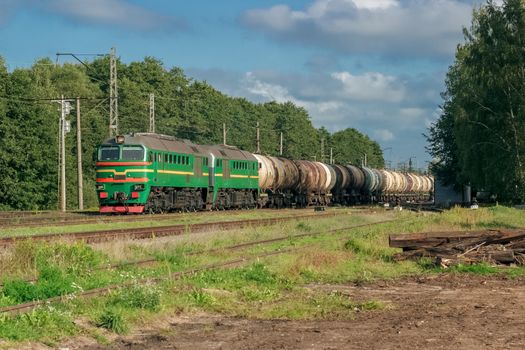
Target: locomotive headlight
x,y
139,187
100,187
119,139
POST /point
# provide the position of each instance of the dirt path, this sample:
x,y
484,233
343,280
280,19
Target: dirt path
x,y
438,312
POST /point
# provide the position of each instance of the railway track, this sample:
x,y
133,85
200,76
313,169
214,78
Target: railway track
x,y
155,232
96,218
28,306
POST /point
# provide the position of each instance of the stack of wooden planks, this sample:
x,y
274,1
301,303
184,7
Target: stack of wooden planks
x,y
499,246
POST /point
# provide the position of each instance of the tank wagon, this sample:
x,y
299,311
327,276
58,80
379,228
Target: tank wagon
x,y
146,172
284,182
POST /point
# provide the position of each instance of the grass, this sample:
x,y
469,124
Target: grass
x,y
113,320
276,287
179,219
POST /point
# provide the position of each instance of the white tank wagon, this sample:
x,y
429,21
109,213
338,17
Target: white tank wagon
x,y
285,182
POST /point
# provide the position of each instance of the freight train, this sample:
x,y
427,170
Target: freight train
x,y
147,172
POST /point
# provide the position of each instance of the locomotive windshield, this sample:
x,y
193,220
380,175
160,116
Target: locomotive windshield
x,y
128,153
132,153
109,153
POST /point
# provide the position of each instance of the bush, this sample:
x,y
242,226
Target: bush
x,y
113,320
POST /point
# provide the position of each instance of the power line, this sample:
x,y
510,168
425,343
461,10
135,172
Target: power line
x,y
35,99
82,62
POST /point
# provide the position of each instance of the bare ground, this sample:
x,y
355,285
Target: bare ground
x,y
437,312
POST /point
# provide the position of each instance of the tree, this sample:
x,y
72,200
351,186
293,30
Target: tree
x,y
350,147
479,136
184,108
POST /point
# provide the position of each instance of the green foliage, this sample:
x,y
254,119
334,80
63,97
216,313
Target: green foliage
x,y
76,258
184,108
479,136
58,267
40,324
350,147
258,294
201,298
258,273
113,320
137,296
52,282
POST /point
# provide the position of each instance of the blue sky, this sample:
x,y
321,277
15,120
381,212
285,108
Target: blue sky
x,y
375,65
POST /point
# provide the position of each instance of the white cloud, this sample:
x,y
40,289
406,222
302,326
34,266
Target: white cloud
x,y
266,90
389,27
412,113
117,13
371,86
375,4
383,135
385,107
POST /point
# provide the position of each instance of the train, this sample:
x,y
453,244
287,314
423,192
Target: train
x,y
154,173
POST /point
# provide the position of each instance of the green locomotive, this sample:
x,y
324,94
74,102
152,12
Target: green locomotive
x,y
146,172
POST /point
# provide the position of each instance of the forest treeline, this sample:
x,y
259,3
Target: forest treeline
x,y
480,137
184,107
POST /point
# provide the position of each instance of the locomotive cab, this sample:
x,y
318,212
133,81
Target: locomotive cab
x,y
122,177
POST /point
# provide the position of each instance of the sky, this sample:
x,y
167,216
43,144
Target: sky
x,y
374,65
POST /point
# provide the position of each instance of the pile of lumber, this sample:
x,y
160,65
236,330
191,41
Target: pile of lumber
x,y
467,247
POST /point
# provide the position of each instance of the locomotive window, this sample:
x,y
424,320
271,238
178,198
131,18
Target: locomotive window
x,y
108,153
132,153
151,158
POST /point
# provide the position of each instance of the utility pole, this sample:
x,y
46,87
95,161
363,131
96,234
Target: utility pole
x,y
62,154
152,112
224,133
113,94
322,150
281,145
258,140
79,160
331,156
63,128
